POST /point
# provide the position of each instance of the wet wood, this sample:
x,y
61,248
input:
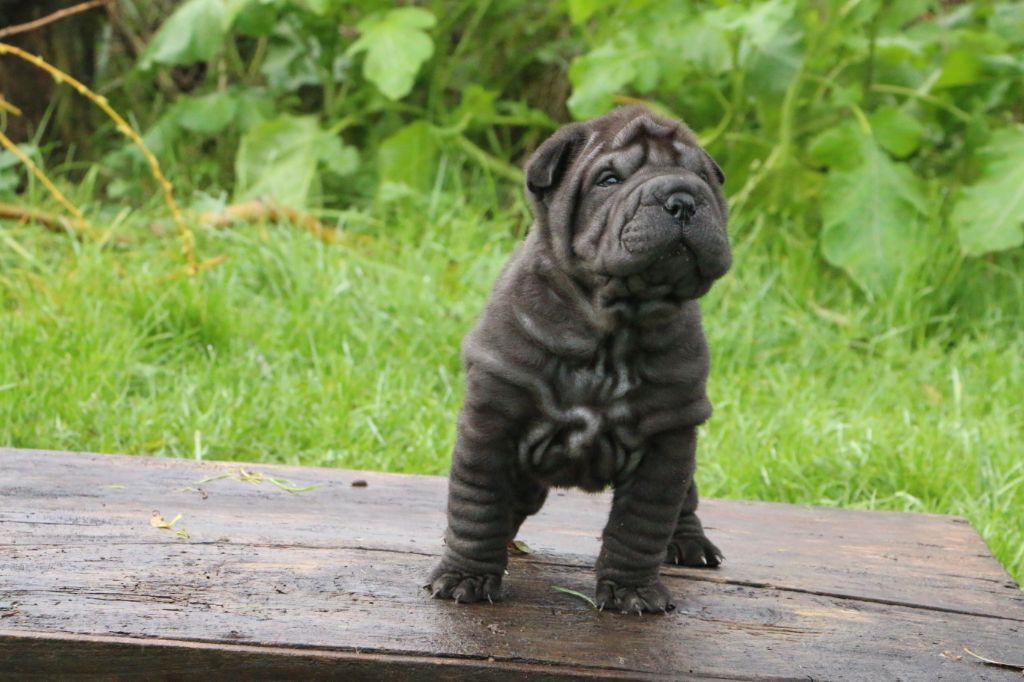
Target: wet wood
x,y
326,583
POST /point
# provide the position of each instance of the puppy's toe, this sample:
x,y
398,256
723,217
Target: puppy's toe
x,y
693,550
465,588
650,598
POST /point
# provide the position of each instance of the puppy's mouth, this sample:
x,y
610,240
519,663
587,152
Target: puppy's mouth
x,y
673,252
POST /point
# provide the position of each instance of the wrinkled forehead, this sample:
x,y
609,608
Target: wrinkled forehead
x,y
641,141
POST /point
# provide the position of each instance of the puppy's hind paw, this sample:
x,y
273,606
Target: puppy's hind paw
x,y
693,550
639,599
464,588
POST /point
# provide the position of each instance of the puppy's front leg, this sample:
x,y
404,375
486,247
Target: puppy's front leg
x,y
643,516
481,512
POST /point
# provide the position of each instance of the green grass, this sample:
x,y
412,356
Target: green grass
x,y
295,351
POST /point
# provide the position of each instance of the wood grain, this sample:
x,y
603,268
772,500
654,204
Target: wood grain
x,y
327,583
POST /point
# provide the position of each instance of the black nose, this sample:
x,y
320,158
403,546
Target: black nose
x,y
681,206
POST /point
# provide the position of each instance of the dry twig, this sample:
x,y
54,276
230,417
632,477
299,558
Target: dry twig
x,y
50,18
54,223
255,211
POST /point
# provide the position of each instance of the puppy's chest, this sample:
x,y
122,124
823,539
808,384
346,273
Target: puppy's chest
x,y
584,432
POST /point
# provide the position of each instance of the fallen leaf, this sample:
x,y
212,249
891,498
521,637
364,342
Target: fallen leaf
x,y
157,521
519,547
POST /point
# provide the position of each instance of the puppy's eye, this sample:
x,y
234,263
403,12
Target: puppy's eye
x,y
703,175
607,179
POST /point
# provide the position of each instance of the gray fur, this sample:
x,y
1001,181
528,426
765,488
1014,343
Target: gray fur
x,y
588,365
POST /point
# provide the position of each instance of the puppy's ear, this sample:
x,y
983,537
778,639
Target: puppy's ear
x,y
548,164
719,173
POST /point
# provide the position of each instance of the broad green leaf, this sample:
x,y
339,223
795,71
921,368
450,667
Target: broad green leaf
x,y
837,147
477,104
208,114
897,132
258,18
195,32
322,7
989,215
409,157
581,10
1007,21
871,214
396,45
291,62
277,160
961,66
703,46
896,14
338,157
596,77
769,45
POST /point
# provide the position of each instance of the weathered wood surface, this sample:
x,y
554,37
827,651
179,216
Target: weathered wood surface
x,y
326,583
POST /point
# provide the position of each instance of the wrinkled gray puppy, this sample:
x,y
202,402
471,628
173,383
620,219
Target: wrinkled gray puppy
x,y
588,365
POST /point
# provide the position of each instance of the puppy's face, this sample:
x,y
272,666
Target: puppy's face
x,y
632,196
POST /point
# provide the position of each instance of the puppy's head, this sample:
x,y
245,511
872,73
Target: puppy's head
x,y
632,196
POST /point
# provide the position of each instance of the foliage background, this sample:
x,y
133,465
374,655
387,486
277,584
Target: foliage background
x,y
867,345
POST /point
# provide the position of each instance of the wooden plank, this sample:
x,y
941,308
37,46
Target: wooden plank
x,y
828,551
327,582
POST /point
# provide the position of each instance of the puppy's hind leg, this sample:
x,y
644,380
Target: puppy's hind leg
x,y
689,545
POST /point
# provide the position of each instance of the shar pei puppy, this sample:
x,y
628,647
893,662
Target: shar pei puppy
x,y
588,365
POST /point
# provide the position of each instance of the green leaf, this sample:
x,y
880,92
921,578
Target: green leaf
x,y
581,10
596,76
989,215
871,214
409,157
396,46
1007,21
337,157
258,18
837,147
277,160
897,132
961,66
208,114
194,33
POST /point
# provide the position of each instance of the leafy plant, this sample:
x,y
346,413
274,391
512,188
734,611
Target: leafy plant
x,y
854,112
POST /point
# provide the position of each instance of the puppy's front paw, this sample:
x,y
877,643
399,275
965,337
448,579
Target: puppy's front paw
x,y
653,597
693,550
464,588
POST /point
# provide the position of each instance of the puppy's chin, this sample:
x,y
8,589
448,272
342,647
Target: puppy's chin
x,y
671,272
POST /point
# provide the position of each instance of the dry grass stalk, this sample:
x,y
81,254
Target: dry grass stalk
x,y
80,225
193,265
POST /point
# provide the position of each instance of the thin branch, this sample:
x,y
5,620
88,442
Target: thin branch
x,y
255,211
82,225
9,108
50,18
